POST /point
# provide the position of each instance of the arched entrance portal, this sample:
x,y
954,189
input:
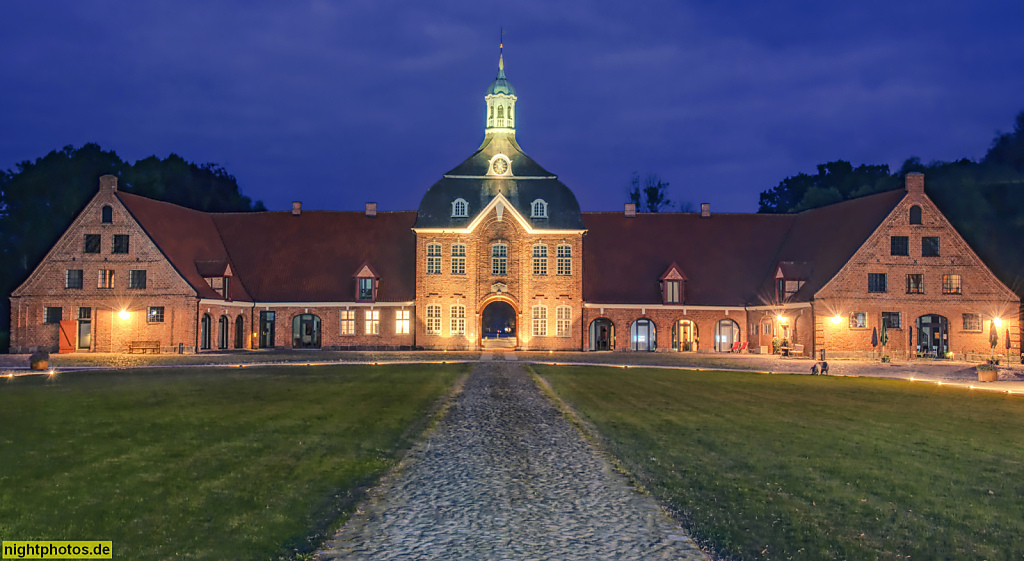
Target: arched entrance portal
x,y
932,336
684,336
498,326
642,335
727,332
306,331
602,335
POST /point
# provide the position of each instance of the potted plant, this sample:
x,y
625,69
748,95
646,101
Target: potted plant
x,y
40,360
987,373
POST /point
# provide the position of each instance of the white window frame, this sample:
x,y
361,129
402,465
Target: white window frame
x,y
433,319
563,321
433,258
539,209
499,259
348,322
372,322
540,260
540,321
564,263
458,320
402,322
458,259
460,208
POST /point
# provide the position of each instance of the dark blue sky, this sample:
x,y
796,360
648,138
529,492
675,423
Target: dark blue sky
x,y
338,103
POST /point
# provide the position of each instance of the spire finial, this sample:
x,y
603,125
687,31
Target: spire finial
x,y
501,54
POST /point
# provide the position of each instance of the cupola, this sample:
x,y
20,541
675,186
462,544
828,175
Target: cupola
x,y
501,101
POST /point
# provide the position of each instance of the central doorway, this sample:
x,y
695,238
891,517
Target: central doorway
x,y
932,336
306,331
498,326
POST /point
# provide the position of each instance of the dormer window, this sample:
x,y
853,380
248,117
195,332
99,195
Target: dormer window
x,y
366,284
672,289
460,209
671,292
366,289
790,277
539,209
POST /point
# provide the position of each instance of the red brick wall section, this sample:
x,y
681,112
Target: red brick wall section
x,y
330,326
663,318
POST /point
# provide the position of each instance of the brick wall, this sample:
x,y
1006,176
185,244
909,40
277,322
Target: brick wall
x,y
705,321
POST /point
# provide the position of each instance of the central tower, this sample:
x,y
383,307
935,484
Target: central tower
x,y
501,101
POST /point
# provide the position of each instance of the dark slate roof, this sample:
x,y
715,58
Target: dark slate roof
x,y
278,257
529,182
729,259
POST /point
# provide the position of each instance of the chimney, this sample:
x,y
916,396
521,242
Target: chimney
x,y
108,183
371,209
914,182
296,208
705,210
630,210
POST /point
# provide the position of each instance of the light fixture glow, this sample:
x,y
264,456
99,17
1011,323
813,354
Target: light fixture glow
x,y
781,318
836,320
123,314
998,322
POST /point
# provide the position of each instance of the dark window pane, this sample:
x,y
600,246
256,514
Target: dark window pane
x,y
120,243
366,289
899,245
892,320
930,246
73,278
53,314
137,279
155,314
92,243
107,214
915,214
876,282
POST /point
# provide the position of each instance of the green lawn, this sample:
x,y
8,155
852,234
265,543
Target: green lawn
x,y
798,467
253,463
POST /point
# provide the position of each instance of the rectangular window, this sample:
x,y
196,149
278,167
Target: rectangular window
x,y
563,321
672,292
915,284
899,245
458,320
930,246
137,278
402,322
499,259
564,260
972,322
365,289
859,320
73,278
348,322
106,278
433,259
372,322
540,321
433,319
458,259
155,314
951,284
53,314
120,243
92,243
540,260
876,282
892,320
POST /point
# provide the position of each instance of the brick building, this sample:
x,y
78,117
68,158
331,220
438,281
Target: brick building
x,y
500,255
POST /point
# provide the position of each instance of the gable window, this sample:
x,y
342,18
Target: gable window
x,y
892,320
876,282
106,279
859,320
563,321
951,284
73,278
372,322
915,214
137,278
539,209
460,209
972,322
564,260
458,259
458,325
540,321
348,322
402,322
155,314
915,284
92,243
899,245
54,314
433,259
433,319
540,260
365,290
107,214
930,246
499,259
120,243
671,292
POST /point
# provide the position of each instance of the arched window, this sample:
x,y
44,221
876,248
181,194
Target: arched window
x,y
643,335
460,209
501,116
539,209
915,214
727,332
223,326
107,214
239,332
204,331
306,331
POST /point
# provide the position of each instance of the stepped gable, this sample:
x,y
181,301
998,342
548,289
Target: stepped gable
x,y
313,257
188,238
725,256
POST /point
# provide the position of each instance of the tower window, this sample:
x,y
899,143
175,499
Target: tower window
x,y
539,209
499,259
501,116
459,208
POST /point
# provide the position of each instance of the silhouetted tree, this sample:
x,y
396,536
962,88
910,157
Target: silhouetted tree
x,y
651,195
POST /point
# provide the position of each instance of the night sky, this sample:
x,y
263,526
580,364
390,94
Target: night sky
x,y
339,103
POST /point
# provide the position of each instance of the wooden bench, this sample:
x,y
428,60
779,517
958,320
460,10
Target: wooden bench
x,y
144,346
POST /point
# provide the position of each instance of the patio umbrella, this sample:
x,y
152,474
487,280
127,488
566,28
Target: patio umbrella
x,y
884,339
874,336
993,335
1007,338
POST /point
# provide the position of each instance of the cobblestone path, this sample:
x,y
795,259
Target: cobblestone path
x,y
505,476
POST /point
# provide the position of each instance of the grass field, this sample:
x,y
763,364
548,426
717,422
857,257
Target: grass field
x,y
253,463
795,467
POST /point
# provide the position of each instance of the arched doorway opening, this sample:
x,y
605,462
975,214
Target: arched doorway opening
x,y
498,325
727,332
684,336
205,325
239,332
602,335
223,327
306,331
932,336
643,336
